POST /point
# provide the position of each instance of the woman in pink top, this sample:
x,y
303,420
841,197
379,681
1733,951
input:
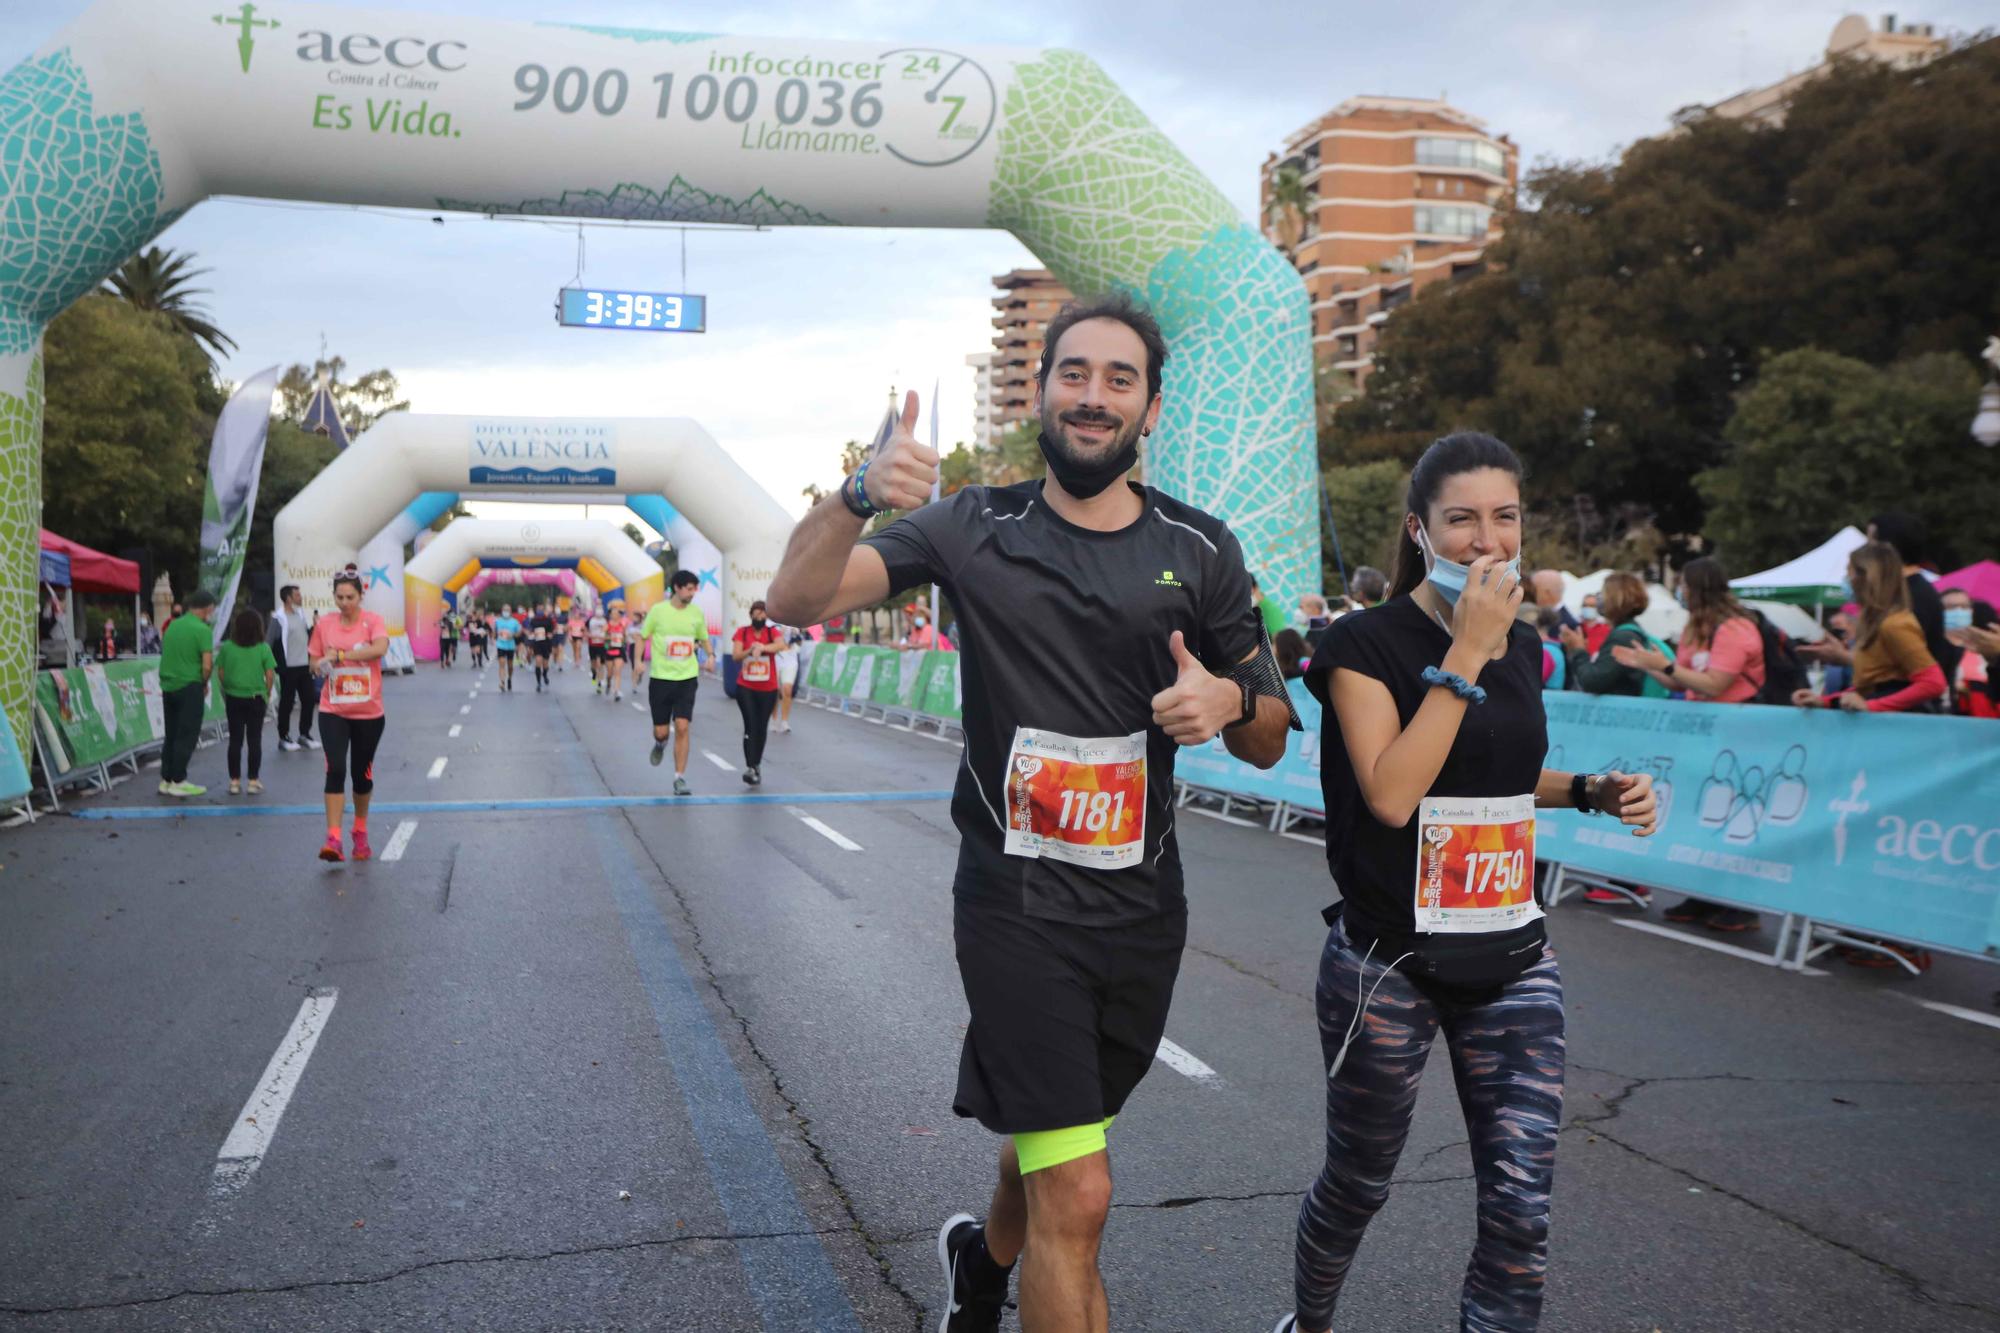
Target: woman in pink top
x,y
1721,655
1720,660
346,652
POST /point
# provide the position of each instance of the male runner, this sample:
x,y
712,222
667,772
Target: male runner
x,y
675,633
448,638
594,632
1103,625
476,635
505,631
542,642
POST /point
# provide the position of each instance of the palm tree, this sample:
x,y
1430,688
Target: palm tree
x,y
1290,202
158,280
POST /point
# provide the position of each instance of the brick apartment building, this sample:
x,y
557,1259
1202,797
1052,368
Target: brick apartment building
x,y
1027,300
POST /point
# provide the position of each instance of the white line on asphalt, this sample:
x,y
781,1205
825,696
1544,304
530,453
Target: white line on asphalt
x,y
463,709
1179,1059
474,694
1227,819
718,761
1304,837
642,708
399,841
455,729
834,836
1717,946
1956,1011
437,767
250,1138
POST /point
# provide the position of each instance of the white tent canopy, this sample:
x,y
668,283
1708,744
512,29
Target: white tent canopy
x,y
1812,578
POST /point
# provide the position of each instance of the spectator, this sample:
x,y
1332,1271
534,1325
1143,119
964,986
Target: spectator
x,y
1312,609
1839,626
1596,629
1720,659
291,630
1906,535
1894,671
148,637
1267,607
1594,670
248,669
1369,587
1555,668
923,635
1292,653
1972,676
187,659
1548,593
107,642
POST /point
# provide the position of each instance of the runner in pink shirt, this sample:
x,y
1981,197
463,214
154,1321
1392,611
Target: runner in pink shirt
x,y
346,652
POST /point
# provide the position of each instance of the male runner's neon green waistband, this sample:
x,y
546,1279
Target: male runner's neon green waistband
x,y
1043,1148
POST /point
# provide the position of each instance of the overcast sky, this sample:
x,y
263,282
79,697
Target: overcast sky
x,y
809,328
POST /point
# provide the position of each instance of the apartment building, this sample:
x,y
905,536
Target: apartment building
x,y
983,433
1027,300
1904,46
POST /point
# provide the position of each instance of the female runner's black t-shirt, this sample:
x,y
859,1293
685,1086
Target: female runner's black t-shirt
x,y
1498,751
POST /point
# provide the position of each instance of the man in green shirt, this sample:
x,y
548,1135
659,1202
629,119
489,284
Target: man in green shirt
x,y
187,657
675,633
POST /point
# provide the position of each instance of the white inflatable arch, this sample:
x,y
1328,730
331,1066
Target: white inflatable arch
x,y
607,558
574,459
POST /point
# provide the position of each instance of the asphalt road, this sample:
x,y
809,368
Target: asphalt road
x,y
463,1061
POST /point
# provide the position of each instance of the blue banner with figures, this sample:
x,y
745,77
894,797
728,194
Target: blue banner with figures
x,y
1877,822
1295,778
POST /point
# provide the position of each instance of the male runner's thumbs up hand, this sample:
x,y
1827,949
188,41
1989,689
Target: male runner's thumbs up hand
x,y
901,473
1197,705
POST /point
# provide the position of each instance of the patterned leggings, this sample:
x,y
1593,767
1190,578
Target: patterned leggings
x,y
1507,1058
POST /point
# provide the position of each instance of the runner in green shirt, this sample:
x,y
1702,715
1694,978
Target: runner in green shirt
x,y
675,633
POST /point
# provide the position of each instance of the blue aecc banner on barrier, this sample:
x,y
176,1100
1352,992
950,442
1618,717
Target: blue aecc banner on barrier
x,y
1877,822
1294,780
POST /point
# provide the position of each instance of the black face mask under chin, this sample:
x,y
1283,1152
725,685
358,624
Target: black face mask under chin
x,y
1085,480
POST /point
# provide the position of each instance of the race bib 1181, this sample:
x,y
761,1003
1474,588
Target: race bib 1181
x,y
1074,799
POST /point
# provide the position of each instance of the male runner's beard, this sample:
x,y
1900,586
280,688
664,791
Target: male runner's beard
x,y
1083,474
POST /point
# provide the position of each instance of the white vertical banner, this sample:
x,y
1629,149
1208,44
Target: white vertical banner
x,y
235,463
937,489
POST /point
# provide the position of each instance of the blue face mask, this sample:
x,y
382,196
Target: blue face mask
x,y
1958,617
1846,590
1448,576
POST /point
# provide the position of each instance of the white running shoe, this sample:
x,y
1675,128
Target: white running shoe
x,y
287,743
309,742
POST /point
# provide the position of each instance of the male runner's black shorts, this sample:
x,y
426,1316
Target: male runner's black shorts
x,y
508,654
1066,1019
671,699
545,648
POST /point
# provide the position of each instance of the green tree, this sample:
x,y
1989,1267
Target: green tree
x,y
158,281
1630,303
1016,455
361,402
130,404
1367,504
1823,440
1289,208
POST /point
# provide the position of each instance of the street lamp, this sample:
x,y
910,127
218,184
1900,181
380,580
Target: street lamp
x,y
1986,426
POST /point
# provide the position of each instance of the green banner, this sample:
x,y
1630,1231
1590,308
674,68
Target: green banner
x,y
938,686
89,715
820,666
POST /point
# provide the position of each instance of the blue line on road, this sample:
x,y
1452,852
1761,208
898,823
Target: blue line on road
x,y
579,803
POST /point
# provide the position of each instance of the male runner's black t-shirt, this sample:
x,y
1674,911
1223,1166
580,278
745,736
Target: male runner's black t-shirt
x,y
1067,630
1499,751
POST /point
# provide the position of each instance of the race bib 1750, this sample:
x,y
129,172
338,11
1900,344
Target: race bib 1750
x,y
1475,864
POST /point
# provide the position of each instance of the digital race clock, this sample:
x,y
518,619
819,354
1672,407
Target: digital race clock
x,y
655,312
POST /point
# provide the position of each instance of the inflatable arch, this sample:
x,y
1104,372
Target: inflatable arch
x,y
143,108
364,496
564,582
611,561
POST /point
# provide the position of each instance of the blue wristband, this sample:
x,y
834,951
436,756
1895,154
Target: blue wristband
x,y
1456,683
856,500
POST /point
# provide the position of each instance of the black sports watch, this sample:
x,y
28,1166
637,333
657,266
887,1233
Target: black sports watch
x,y
1579,793
1249,706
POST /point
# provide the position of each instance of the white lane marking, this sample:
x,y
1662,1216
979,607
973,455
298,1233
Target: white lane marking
x,y
455,729
1180,1060
474,694
437,768
718,761
463,709
1717,946
399,841
1957,1011
250,1138
834,836
1218,815
642,708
